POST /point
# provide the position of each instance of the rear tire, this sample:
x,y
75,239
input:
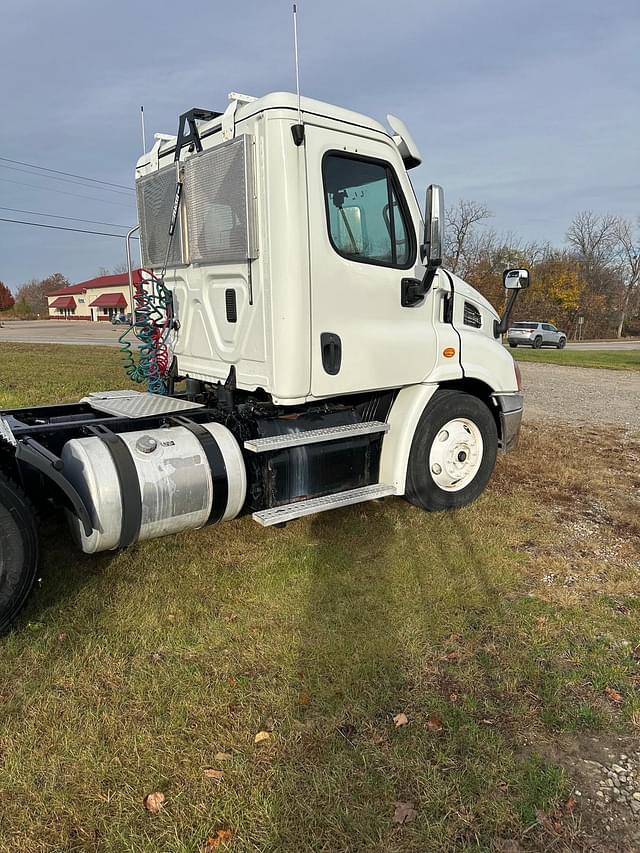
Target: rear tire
x,y
537,343
453,452
513,346
18,551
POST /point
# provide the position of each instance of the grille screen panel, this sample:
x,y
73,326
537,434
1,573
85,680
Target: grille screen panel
x,y
472,316
155,195
219,199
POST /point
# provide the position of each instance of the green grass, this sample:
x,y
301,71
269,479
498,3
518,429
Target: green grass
x,y
131,670
612,359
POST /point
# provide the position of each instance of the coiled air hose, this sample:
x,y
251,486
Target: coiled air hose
x,y
151,326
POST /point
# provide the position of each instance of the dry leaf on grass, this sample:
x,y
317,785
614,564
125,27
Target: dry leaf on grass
x,y
261,737
404,813
223,756
304,699
434,724
613,695
218,775
400,720
222,836
153,803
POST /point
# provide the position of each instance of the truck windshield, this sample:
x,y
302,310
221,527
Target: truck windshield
x,y
524,325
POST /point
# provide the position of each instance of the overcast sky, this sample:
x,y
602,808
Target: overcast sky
x,y
529,106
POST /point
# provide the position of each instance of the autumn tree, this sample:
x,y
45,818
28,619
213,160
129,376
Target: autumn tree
x,y
33,295
6,297
557,290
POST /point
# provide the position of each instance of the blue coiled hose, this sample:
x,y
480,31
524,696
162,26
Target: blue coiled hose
x,y
151,324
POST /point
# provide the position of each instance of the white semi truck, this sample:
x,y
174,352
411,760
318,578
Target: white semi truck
x,y
303,346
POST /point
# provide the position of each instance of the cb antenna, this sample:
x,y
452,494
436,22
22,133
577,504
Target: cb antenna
x,y
144,138
297,130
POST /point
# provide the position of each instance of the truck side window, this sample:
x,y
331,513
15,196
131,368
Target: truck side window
x,y
366,213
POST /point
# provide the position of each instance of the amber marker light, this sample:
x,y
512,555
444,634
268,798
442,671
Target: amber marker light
x,y
448,352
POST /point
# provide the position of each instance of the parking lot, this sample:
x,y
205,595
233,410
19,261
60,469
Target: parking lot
x,y
582,395
60,332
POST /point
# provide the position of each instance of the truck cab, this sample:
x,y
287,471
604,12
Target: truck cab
x,y
302,345
288,260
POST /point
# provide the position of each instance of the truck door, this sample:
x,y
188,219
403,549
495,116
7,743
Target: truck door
x,y
364,223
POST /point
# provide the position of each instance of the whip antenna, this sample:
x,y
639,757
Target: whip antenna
x,y
297,130
144,138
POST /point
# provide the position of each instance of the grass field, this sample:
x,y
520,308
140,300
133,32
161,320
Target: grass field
x,y
612,359
498,630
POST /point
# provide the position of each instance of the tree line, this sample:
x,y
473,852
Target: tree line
x,y
595,276
31,299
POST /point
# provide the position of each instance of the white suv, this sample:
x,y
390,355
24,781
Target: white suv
x,y
536,335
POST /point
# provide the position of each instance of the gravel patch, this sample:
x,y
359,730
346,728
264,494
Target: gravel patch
x,y
585,395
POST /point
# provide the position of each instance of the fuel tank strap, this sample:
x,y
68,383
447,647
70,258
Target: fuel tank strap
x,y
216,464
129,485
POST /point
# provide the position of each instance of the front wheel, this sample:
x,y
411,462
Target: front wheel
x,y
561,343
513,346
453,452
18,551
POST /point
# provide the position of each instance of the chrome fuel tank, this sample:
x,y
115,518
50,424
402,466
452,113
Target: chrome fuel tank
x,y
165,483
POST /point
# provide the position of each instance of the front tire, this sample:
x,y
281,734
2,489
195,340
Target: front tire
x,y
18,551
453,453
561,343
513,346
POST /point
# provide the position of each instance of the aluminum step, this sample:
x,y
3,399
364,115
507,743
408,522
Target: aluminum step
x,y
136,404
281,514
314,436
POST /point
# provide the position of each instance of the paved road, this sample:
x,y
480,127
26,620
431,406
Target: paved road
x,y
582,395
61,332
608,345
104,334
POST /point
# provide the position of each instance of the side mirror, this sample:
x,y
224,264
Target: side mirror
x,y
431,250
515,279
414,290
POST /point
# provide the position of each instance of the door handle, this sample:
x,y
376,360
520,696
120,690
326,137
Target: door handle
x,y
331,348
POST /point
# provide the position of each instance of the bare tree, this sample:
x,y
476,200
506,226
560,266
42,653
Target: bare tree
x,y
594,240
629,260
32,296
461,222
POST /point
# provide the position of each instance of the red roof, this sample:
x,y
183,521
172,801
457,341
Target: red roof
x,y
109,300
63,302
121,279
